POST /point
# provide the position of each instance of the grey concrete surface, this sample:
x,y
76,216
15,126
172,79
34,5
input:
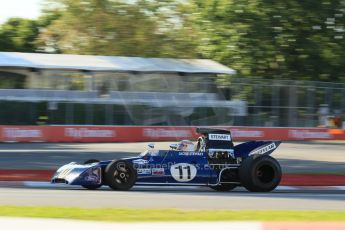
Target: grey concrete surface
x,y
172,198
295,157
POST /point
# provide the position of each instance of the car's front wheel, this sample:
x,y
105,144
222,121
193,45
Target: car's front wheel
x,y
120,175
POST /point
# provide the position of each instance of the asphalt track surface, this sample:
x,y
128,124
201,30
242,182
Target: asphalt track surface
x,y
172,197
294,157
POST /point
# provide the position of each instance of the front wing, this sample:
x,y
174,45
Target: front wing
x,y
76,174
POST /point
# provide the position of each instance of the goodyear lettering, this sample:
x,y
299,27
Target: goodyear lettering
x,y
264,149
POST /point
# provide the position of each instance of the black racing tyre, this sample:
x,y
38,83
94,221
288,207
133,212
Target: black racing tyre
x,y
91,187
260,173
224,187
120,175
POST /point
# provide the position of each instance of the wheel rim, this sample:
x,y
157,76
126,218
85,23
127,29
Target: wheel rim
x,y
121,175
265,174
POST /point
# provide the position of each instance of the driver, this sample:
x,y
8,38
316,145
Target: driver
x,y
185,145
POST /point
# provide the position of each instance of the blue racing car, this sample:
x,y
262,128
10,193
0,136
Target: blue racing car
x,y
213,161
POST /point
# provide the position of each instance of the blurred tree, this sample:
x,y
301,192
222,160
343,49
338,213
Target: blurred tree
x,y
18,34
274,39
129,28
266,38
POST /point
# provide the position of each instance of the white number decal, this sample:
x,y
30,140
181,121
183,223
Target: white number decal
x,y
183,172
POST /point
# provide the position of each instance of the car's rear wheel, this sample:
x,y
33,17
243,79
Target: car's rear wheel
x,y
120,175
91,187
260,173
224,187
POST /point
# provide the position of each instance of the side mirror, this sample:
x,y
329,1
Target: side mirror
x,y
173,146
151,145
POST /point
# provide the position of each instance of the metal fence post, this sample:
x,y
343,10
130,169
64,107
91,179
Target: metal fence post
x,y
69,113
89,113
109,111
275,100
292,105
311,107
257,108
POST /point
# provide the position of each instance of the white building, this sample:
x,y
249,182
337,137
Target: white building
x,y
82,89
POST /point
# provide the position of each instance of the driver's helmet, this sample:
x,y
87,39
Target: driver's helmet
x,y
185,145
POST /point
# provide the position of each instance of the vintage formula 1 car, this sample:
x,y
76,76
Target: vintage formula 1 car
x,y
214,161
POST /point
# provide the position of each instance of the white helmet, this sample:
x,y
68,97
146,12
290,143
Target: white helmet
x,y
185,145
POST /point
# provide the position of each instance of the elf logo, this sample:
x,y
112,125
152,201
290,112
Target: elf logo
x,y
219,137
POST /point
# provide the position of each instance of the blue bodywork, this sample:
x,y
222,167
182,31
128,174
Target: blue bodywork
x,y
167,167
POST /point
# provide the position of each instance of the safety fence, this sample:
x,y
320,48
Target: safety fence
x,y
155,133
183,101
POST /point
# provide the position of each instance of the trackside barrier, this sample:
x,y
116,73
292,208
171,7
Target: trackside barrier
x,y
155,133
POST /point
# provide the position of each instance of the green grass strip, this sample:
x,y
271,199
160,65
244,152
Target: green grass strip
x,y
129,215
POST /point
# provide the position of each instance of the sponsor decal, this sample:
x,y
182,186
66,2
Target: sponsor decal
x,y
263,150
85,132
140,161
148,132
247,133
144,171
92,178
20,133
158,172
190,154
306,134
94,175
183,172
219,137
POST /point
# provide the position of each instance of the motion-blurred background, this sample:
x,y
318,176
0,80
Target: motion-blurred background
x,y
153,70
288,58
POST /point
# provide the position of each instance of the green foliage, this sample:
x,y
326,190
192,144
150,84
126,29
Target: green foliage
x,y
18,34
293,39
275,39
104,27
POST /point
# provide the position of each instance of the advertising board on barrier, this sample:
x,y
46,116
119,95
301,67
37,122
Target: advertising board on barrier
x,y
238,133
310,134
85,132
178,133
151,133
23,134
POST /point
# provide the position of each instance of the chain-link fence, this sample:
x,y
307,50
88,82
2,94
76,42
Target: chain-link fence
x,y
289,103
184,100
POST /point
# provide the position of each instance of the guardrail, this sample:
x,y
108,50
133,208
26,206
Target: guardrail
x,y
155,133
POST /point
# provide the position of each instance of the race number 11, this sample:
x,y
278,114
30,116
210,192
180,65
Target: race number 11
x,y
183,172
